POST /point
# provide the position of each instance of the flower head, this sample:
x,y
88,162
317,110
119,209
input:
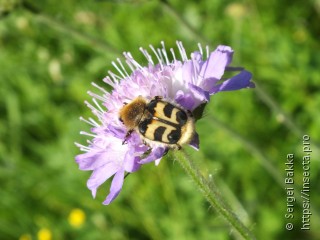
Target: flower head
x,y
188,82
76,217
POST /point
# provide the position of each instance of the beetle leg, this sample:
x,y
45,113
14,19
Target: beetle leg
x,y
126,137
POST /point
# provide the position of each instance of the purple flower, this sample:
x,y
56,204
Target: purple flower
x,y
188,82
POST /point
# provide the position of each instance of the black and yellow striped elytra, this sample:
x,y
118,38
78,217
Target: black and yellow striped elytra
x,y
158,121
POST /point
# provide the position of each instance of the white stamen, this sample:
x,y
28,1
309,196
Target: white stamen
x,y
200,49
130,60
115,77
98,105
94,110
208,53
118,69
94,95
82,147
122,67
160,55
157,56
164,52
90,122
100,88
94,123
182,51
132,69
88,134
108,81
173,55
146,55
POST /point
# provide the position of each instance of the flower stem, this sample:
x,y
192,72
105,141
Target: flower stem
x,y
282,116
212,195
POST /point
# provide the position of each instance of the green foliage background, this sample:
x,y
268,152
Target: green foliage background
x,y
50,52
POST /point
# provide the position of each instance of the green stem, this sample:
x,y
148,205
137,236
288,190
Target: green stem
x,y
251,147
281,114
262,157
212,195
272,104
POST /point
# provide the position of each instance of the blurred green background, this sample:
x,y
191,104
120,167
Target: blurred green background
x,y
51,51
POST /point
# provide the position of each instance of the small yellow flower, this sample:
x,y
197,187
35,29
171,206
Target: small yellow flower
x,y
236,11
44,234
25,237
76,218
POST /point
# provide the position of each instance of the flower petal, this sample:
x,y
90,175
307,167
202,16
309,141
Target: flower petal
x,y
131,162
186,100
116,187
199,93
156,153
188,71
116,131
242,80
215,65
101,175
92,160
